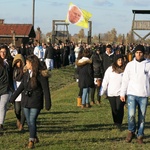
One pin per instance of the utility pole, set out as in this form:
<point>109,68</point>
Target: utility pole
<point>99,37</point>
<point>13,36</point>
<point>33,12</point>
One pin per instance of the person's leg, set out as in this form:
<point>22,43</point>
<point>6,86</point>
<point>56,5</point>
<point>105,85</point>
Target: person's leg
<point>17,106</point>
<point>87,98</point>
<point>51,62</point>
<point>70,58</point>
<point>132,103</point>
<point>92,91</point>
<point>98,96</point>
<point>27,115</point>
<point>22,119</point>
<point>47,63</point>
<point>80,92</point>
<point>84,96</point>
<point>112,101</point>
<point>79,98</point>
<point>31,116</point>
<point>3,108</point>
<point>142,106</point>
<point>120,110</point>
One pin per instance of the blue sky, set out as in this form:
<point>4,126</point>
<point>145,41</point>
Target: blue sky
<point>106,14</point>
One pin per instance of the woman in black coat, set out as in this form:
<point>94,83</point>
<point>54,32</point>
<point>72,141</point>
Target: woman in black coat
<point>33,86</point>
<point>86,79</point>
<point>98,75</point>
<point>6,82</point>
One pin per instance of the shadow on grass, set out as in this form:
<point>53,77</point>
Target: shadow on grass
<point>55,127</point>
<point>64,112</point>
<point>89,140</point>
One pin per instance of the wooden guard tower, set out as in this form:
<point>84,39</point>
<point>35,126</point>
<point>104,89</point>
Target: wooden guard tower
<point>56,33</point>
<point>140,24</point>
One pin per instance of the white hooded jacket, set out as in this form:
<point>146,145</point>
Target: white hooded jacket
<point>111,83</point>
<point>136,79</point>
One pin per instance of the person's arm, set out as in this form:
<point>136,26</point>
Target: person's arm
<point>124,85</point>
<point>46,51</point>
<point>105,81</point>
<point>122,98</point>
<point>16,93</point>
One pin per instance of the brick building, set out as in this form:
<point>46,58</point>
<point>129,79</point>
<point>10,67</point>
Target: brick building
<point>16,33</point>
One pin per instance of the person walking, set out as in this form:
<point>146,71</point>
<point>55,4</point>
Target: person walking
<point>108,57</point>
<point>49,57</point>
<point>33,86</point>
<point>112,84</point>
<point>13,51</point>
<point>3,93</point>
<point>79,98</point>
<point>6,82</point>
<point>86,79</point>
<point>18,66</point>
<point>98,75</point>
<point>135,84</point>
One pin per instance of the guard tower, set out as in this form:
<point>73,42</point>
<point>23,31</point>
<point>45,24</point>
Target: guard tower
<point>57,33</point>
<point>140,24</point>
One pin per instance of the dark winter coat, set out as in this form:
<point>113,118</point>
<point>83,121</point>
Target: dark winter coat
<point>4,81</point>
<point>18,72</point>
<point>34,99</point>
<point>65,56</point>
<point>8,73</point>
<point>107,60</point>
<point>85,72</point>
<point>22,51</point>
<point>97,65</point>
<point>49,53</point>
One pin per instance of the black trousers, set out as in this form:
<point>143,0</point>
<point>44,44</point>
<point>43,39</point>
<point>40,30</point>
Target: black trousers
<point>80,92</point>
<point>117,108</point>
<point>19,112</point>
<point>94,90</point>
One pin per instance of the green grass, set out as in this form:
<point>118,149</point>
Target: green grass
<point>68,127</point>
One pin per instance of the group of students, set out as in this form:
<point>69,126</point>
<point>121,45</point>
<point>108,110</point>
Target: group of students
<point>122,82</point>
<point>24,83</point>
<point>107,73</point>
<point>91,66</point>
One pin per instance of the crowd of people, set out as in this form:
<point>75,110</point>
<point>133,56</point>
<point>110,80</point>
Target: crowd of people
<point>24,82</point>
<point>120,73</point>
<point>120,79</point>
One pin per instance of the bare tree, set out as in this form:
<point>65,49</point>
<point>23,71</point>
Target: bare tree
<point>81,34</point>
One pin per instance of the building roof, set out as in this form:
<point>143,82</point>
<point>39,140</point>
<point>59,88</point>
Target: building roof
<point>141,11</point>
<point>20,30</point>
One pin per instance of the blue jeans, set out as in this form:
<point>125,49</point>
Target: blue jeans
<point>85,96</point>
<point>49,63</point>
<point>31,115</point>
<point>141,102</point>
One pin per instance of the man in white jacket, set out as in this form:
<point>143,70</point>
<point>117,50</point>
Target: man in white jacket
<point>135,85</point>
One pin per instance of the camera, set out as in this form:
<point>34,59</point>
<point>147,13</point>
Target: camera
<point>28,93</point>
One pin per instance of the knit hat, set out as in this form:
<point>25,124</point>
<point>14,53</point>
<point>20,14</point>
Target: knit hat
<point>118,57</point>
<point>140,48</point>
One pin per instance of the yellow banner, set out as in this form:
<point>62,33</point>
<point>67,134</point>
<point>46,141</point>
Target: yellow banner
<point>78,16</point>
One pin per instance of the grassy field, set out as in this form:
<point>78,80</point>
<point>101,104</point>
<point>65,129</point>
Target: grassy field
<point>68,127</point>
